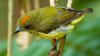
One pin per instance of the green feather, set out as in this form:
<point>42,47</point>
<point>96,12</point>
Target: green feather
<point>52,19</point>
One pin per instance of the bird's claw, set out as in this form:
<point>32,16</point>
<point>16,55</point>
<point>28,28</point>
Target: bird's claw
<point>53,52</point>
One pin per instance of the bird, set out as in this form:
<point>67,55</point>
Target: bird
<point>51,22</point>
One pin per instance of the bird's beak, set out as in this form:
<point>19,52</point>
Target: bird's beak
<point>18,29</point>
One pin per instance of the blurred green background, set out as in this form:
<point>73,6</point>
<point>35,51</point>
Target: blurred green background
<point>83,41</point>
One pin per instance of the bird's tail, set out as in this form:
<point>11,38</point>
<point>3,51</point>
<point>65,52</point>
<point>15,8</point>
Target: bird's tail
<point>88,10</point>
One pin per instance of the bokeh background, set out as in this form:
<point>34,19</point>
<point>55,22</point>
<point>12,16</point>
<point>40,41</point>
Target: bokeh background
<point>83,41</point>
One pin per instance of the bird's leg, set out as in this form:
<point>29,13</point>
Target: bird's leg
<point>61,45</point>
<point>54,51</point>
<point>54,42</point>
<point>54,45</point>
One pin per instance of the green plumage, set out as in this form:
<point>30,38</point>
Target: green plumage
<point>48,18</point>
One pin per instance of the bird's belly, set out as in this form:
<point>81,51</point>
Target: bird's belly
<point>63,29</point>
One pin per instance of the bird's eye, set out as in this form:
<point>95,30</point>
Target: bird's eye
<point>27,26</point>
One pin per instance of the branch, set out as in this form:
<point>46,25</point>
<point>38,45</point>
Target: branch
<point>36,4</point>
<point>10,11</point>
<point>28,6</point>
<point>69,3</point>
<point>52,3</point>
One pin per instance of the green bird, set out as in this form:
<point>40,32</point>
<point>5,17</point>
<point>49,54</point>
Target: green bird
<point>51,22</point>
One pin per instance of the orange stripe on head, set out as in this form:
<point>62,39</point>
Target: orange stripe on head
<point>24,19</point>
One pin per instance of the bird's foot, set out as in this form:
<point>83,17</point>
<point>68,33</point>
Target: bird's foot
<point>53,53</point>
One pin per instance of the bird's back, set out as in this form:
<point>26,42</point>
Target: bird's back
<point>50,18</point>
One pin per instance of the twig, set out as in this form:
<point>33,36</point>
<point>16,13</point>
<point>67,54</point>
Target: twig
<point>28,7</point>
<point>36,4</point>
<point>25,7</point>
<point>69,3</point>
<point>10,11</point>
<point>52,3</point>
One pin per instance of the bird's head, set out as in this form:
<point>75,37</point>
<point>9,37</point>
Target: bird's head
<point>23,24</point>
